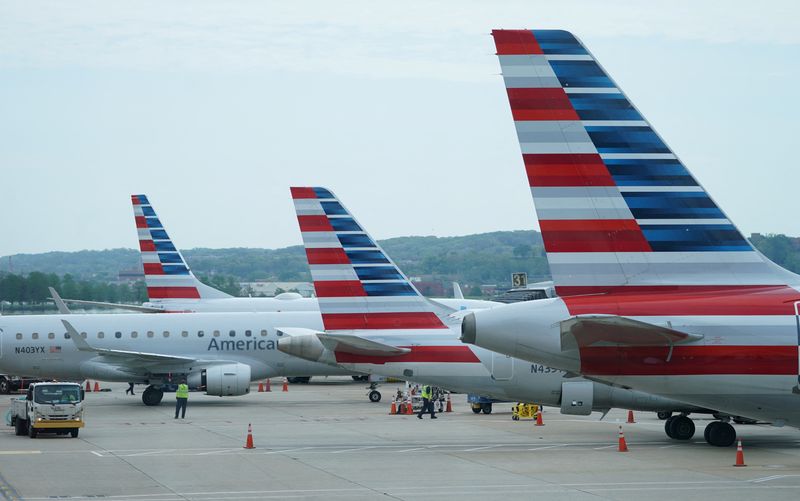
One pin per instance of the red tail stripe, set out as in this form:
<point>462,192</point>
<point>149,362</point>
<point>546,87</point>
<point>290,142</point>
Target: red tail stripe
<point>540,104</point>
<point>314,223</point>
<point>135,200</point>
<point>173,293</point>
<point>689,360</point>
<point>333,255</point>
<point>339,288</point>
<point>302,193</point>
<point>435,354</point>
<point>141,222</point>
<point>601,235</point>
<point>581,225</point>
<point>683,300</point>
<point>509,42</point>
<point>567,170</point>
<point>153,269</point>
<point>399,320</point>
<point>147,246</point>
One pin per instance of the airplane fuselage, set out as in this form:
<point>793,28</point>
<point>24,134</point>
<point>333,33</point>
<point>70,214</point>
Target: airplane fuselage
<point>746,362</point>
<point>38,345</point>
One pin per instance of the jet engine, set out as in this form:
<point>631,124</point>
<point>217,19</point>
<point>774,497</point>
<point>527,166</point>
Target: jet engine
<point>577,397</point>
<point>227,380</point>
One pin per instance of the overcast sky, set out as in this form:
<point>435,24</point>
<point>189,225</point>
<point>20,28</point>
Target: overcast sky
<point>214,108</point>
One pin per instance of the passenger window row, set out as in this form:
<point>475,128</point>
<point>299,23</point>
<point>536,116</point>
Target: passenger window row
<point>150,334</point>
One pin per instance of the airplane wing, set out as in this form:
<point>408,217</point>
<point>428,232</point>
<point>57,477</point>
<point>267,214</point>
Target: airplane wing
<point>100,304</point>
<point>128,358</point>
<point>356,345</point>
<point>589,330</point>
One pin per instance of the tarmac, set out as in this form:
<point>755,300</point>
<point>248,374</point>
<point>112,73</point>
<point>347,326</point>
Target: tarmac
<point>325,440</point>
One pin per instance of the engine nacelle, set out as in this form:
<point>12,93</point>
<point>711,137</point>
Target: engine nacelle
<point>577,398</point>
<point>228,380</point>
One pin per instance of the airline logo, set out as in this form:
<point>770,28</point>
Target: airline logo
<point>166,274</point>
<point>357,285</point>
<point>617,209</point>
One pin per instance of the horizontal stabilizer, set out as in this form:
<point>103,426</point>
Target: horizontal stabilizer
<point>355,345</point>
<point>592,330</point>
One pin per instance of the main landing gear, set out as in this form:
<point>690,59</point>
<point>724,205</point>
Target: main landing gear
<point>152,395</point>
<point>717,433</point>
<point>373,394</point>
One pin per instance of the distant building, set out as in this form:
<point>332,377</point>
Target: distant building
<point>270,289</point>
<point>430,288</point>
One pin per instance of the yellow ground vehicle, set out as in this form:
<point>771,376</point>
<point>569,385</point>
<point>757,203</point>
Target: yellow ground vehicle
<point>48,408</point>
<point>524,411</point>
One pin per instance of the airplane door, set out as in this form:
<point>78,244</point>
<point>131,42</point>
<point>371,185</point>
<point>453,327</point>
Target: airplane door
<point>502,367</point>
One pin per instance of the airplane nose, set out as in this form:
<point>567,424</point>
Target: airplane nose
<point>468,331</point>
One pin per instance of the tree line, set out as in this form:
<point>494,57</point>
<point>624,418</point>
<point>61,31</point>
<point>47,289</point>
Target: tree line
<point>33,289</point>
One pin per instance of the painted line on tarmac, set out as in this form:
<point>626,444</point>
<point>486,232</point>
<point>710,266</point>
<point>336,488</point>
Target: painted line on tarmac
<point>14,453</point>
<point>604,447</point>
<point>356,449</point>
<point>548,447</point>
<point>482,448</point>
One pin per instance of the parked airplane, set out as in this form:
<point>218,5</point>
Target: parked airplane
<point>218,352</point>
<point>173,287</point>
<point>376,322</point>
<point>659,291</point>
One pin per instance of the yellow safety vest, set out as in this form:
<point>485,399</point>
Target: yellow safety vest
<point>426,392</point>
<point>182,392</point>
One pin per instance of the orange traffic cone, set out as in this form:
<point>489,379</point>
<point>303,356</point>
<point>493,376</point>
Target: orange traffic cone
<point>539,421</point>
<point>739,455</point>
<point>449,407</point>
<point>268,386</point>
<point>96,386</point>
<point>249,443</point>
<point>630,417</point>
<point>623,446</point>
<point>88,386</point>
<point>261,387</point>
<point>409,406</point>
<point>393,410</point>
<point>285,384</point>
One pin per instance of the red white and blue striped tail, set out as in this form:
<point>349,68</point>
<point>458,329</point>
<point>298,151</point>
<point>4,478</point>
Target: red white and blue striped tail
<point>616,207</point>
<point>357,284</point>
<point>165,271</point>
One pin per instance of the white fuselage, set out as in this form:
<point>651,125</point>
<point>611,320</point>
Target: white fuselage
<point>203,336</point>
<point>277,304</point>
<point>438,358</point>
<point>744,365</point>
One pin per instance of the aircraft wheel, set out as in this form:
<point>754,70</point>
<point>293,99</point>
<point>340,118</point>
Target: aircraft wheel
<point>374,396</point>
<point>664,415</point>
<point>486,408</point>
<point>681,428</point>
<point>668,426</point>
<point>476,409</point>
<point>5,386</point>
<point>152,396</point>
<point>720,434</point>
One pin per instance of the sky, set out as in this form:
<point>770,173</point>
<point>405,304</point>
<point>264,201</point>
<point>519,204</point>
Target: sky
<point>213,109</point>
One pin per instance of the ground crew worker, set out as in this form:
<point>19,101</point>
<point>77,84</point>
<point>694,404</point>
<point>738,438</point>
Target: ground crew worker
<point>181,397</point>
<point>427,402</point>
<point>130,389</point>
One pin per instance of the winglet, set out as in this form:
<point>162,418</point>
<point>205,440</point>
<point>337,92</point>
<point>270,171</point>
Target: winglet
<point>76,337</point>
<point>457,291</point>
<point>62,308</point>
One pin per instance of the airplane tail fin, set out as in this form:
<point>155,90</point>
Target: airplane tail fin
<point>357,284</point>
<point>616,207</point>
<point>166,273</point>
